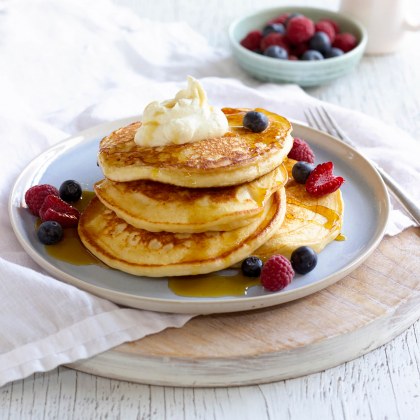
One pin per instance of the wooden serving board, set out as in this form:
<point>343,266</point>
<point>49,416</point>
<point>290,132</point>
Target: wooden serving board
<point>369,307</point>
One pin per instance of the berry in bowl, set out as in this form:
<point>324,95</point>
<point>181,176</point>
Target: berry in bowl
<point>302,45</point>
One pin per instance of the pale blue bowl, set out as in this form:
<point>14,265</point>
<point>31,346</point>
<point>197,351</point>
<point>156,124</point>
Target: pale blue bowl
<point>303,73</point>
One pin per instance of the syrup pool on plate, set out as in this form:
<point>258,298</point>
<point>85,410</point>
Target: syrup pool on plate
<point>71,250</point>
<point>213,285</point>
<point>234,283</point>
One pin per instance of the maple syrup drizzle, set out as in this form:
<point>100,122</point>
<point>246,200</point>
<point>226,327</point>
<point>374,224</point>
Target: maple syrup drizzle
<point>212,285</point>
<point>70,249</point>
<point>330,215</point>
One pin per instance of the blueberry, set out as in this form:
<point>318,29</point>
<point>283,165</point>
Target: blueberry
<point>301,170</point>
<point>251,266</point>
<point>334,52</point>
<point>255,121</point>
<point>311,55</point>
<point>320,42</point>
<point>49,233</point>
<point>276,52</point>
<point>274,27</point>
<point>70,191</point>
<point>303,259</point>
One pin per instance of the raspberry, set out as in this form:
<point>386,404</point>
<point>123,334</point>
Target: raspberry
<point>327,28</point>
<point>35,196</point>
<point>252,40</point>
<point>345,41</point>
<point>276,273</point>
<point>280,19</point>
<point>299,49</point>
<point>301,151</point>
<point>300,29</point>
<point>57,210</point>
<point>321,181</point>
<point>274,38</point>
<point>333,23</point>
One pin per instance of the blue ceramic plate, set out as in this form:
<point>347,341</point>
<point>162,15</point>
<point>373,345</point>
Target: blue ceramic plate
<point>366,214</point>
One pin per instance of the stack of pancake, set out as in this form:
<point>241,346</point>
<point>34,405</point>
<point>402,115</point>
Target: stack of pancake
<point>199,207</point>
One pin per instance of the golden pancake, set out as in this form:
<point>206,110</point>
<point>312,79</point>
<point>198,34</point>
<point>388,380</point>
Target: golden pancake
<point>238,156</point>
<point>162,207</point>
<point>158,254</point>
<point>310,221</point>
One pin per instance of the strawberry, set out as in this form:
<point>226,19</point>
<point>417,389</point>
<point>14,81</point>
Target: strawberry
<point>301,151</point>
<point>276,273</point>
<point>57,210</point>
<point>321,180</point>
<point>59,205</point>
<point>64,219</point>
<point>35,196</point>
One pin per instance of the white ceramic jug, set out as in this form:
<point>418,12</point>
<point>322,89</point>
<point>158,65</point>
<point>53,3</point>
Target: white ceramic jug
<point>385,20</point>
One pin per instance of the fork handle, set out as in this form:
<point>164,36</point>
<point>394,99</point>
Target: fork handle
<point>407,202</point>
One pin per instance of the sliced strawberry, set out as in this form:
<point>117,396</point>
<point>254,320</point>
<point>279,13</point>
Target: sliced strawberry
<point>321,181</point>
<point>59,205</point>
<point>65,219</point>
<point>57,210</point>
<point>35,196</point>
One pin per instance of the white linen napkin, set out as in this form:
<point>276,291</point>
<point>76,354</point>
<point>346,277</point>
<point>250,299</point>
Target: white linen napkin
<point>69,65</point>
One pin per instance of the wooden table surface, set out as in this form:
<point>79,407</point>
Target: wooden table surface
<point>383,384</point>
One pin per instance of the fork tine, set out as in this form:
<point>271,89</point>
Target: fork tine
<point>333,123</point>
<point>322,116</point>
<point>323,121</point>
<point>310,118</point>
<point>335,126</point>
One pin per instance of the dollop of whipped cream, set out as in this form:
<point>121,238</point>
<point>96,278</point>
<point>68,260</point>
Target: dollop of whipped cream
<point>185,119</point>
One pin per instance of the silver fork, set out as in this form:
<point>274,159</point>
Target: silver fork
<point>319,118</point>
